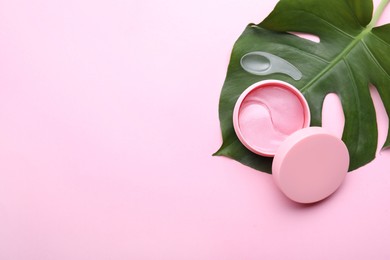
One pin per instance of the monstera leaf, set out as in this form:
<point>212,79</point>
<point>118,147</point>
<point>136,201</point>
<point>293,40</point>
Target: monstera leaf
<point>351,54</point>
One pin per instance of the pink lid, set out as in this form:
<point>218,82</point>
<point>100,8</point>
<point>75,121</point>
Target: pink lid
<point>268,112</point>
<point>310,165</point>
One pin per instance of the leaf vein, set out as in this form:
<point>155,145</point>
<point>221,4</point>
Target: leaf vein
<point>295,48</point>
<point>308,54</point>
<point>380,39</point>
<point>328,23</point>
<point>375,60</point>
<point>350,75</point>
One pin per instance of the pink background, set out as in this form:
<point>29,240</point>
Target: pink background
<point>108,119</point>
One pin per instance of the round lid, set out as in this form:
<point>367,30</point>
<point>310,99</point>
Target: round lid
<point>310,165</point>
<point>268,112</point>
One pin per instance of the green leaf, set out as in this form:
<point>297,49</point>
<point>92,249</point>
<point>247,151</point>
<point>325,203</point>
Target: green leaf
<point>351,55</point>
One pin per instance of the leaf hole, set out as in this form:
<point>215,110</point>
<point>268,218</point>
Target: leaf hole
<point>381,118</point>
<point>333,115</point>
<point>307,36</point>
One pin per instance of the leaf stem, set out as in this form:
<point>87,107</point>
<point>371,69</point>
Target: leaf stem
<point>378,12</point>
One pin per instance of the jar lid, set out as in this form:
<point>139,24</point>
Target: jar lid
<point>310,165</point>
